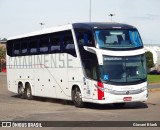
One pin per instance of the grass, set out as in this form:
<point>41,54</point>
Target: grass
<point>153,78</point>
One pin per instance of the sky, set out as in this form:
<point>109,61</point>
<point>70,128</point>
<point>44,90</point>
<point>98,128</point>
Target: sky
<point>23,16</point>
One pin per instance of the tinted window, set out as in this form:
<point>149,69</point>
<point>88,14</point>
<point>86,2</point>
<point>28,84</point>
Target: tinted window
<point>55,41</point>
<point>24,47</point>
<point>123,69</point>
<point>118,39</point>
<point>44,45</point>
<point>33,46</point>
<point>89,60</point>
<point>90,66</point>
<point>84,37</point>
<point>9,47</point>
<point>16,48</point>
<point>69,46</point>
<point>62,42</point>
<point>58,42</point>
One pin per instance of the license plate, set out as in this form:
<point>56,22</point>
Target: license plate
<point>127,99</point>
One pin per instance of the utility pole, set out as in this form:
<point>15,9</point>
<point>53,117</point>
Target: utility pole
<point>90,10</point>
<point>42,25</point>
<point>111,15</point>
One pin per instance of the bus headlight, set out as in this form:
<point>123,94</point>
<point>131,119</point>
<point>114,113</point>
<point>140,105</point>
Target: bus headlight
<point>144,88</point>
<point>108,90</point>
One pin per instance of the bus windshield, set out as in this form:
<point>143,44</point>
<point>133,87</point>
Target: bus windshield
<point>123,69</point>
<point>118,39</point>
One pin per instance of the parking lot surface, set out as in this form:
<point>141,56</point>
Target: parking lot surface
<point>13,108</point>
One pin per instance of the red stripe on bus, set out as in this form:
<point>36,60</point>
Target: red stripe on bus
<point>100,93</point>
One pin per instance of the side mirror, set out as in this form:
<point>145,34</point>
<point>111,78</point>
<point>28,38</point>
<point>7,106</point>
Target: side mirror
<point>96,51</point>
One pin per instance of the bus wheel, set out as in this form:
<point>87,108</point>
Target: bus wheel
<point>29,92</point>
<point>119,105</point>
<point>21,92</point>
<point>77,98</point>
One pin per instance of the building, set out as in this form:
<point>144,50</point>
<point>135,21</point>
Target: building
<point>3,43</point>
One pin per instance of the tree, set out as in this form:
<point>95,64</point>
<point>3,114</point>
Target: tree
<point>4,39</point>
<point>149,58</point>
<point>2,57</point>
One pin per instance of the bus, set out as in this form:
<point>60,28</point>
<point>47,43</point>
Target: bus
<point>102,63</point>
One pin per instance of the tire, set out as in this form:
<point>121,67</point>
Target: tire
<point>29,92</point>
<point>77,98</point>
<point>119,105</point>
<point>21,91</point>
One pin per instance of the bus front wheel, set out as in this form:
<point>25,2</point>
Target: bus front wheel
<point>77,98</point>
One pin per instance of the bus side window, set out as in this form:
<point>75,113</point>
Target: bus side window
<point>89,60</point>
<point>10,48</point>
<point>85,38</point>
<point>33,45</point>
<point>24,47</point>
<point>44,45</point>
<point>69,46</point>
<point>16,48</point>
<point>54,43</point>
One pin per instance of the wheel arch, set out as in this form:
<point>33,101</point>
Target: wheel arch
<point>74,86</point>
<point>31,85</point>
<point>20,84</point>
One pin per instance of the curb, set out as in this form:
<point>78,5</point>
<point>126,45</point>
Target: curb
<point>153,83</point>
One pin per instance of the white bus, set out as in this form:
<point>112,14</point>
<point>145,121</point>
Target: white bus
<point>84,62</point>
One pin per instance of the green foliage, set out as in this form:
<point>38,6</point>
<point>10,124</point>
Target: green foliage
<point>153,78</point>
<point>2,57</point>
<point>149,58</point>
<point>2,53</point>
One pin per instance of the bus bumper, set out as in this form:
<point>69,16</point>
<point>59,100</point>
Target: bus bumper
<point>110,98</point>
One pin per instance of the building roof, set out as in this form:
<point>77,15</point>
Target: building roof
<point>3,41</point>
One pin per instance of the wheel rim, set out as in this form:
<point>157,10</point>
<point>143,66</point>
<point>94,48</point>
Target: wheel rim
<point>28,92</point>
<point>77,97</point>
<point>20,90</point>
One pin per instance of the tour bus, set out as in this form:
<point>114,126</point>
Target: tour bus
<point>99,63</point>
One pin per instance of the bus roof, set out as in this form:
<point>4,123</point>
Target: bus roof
<point>103,25</point>
<point>43,31</point>
<point>93,25</point>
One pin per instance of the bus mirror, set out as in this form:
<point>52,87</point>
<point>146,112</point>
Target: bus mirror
<point>95,51</point>
<point>90,49</point>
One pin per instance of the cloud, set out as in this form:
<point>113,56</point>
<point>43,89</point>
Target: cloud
<point>153,15</point>
<point>147,17</point>
<point>143,18</point>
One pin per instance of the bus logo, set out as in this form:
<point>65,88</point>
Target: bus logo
<point>127,92</point>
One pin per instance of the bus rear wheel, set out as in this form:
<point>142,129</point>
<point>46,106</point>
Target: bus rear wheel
<point>21,91</point>
<point>29,92</point>
<point>77,98</point>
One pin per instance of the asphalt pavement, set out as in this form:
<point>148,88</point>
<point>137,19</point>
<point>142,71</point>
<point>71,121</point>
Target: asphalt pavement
<point>13,108</point>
